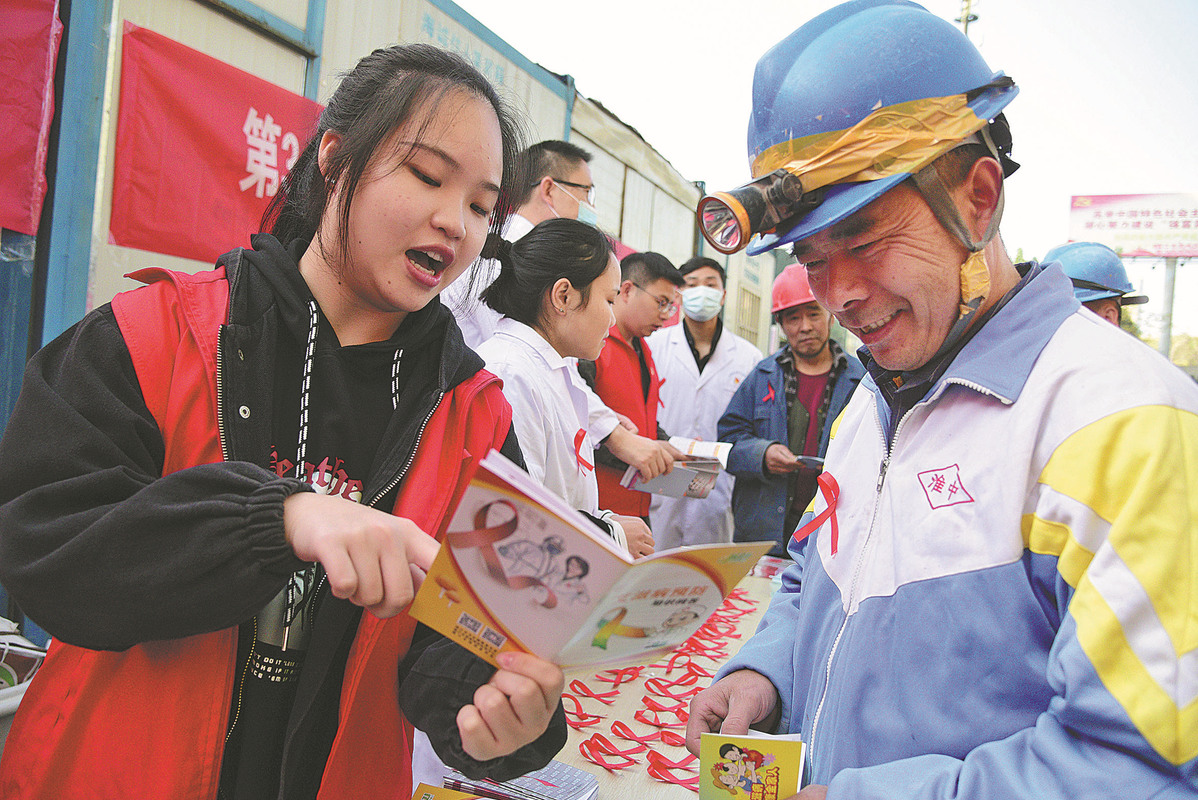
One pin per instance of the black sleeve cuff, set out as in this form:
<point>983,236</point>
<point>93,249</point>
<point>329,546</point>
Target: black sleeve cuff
<point>264,525</point>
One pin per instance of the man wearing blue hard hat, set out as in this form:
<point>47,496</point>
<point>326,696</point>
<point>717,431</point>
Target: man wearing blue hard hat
<point>994,592</point>
<point>1100,282</point>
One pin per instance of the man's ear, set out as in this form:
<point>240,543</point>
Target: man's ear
<point>626,288</point>
<point>981,191</point>
<point>543,188</point>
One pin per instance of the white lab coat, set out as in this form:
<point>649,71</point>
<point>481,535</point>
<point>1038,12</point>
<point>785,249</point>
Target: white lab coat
<point>478,322</point>
<point>692,404</point>
<point>549,409</point>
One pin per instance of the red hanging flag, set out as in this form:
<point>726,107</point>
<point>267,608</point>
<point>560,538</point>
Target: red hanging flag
<point>201,148</point>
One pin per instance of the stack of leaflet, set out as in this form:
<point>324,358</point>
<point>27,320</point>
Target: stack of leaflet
<point>557,781</point>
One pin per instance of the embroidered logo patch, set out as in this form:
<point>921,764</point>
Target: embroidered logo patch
<point>943,487</point>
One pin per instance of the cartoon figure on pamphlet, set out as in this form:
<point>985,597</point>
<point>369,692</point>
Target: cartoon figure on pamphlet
<point>570,584</point>
<point>756,767</point>
<point>520,564</point>
<point>612,624</point>
<point>746,770</point>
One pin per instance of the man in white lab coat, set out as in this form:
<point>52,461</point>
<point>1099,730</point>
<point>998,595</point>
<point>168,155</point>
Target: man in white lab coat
<point>700,365</point>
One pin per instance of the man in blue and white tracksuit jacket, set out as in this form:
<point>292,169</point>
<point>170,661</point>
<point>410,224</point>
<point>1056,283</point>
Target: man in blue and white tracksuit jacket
<point>995,590</point>
<point>1005,610</point>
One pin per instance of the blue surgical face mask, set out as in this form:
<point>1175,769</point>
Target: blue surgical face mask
<point>587,215</point>
<point>701,303</point>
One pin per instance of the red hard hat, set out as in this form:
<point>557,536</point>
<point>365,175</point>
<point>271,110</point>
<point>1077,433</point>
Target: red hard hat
<point>790,289</point>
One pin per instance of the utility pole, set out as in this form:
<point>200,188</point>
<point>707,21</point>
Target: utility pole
<point>967,16</point>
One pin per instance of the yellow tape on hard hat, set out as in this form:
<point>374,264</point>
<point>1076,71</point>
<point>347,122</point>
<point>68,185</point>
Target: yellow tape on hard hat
<point>890,141</point>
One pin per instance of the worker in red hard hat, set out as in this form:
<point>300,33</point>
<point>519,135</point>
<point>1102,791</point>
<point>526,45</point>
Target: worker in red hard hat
<point>780,418</point>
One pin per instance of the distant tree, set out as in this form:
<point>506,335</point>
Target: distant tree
<point>1184,349</point>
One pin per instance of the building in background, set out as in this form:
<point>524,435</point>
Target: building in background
<point>174,121</point>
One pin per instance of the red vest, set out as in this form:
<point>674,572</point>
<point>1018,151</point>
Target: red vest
<point>618,384</point>
<point>150,722</point>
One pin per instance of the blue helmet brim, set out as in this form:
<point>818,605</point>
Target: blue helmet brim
<point>844,200</point>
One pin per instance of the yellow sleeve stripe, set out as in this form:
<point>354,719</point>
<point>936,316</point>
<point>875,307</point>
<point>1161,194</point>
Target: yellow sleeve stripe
<point>1117,504</point>
<point>1171,729</point>
<point>1138,471</point>
<point>1064,528</point>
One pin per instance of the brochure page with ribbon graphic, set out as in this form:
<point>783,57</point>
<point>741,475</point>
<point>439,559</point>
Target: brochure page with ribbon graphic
<point>520,570</point>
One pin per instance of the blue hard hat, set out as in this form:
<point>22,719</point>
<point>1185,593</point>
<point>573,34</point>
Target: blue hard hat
<point>1096,271</point>
<point>848,62</point>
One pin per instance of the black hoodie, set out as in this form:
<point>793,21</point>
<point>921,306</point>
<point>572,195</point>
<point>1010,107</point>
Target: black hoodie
<point>105,552</point>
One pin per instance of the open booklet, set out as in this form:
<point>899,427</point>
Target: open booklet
<point>692,476</point>
<point>521,570</point>
<point>756,766</point>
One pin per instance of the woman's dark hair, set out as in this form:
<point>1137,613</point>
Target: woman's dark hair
<point>554,249</point>
<point>373,100</point>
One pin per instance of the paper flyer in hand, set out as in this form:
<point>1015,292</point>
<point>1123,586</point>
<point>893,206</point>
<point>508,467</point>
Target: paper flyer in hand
<point>521,570</point>
<point>752,767</point>
<point>692,476</point>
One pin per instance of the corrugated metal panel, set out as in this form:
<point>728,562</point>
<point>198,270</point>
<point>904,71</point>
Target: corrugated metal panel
<point>354,28</point>
<point>673,228</point>
<point>608,174</point>
<point>540,96</point>
<point>636,223</point>
<point>294,11</point>
<point>210,32</point>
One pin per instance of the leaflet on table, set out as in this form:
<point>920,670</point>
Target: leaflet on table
<point>556,781</point>
<point>752,767</point>
<point>692,476</point>
<point>521,570</point>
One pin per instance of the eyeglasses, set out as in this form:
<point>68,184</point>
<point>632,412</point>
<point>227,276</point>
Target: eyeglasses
<point>590,189</point>
<point>665,306</point>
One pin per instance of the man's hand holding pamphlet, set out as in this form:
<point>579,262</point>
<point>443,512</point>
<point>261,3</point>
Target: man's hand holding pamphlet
<point>692,476</point>
<point>521,570</point>
<point>751,767</point>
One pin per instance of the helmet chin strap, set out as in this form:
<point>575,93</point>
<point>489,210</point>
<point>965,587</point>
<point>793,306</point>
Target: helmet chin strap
<point>975,273</point>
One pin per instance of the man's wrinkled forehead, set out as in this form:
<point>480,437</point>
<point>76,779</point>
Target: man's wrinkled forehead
<point>856,225</point>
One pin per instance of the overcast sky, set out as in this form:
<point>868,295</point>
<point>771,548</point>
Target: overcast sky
<point>1108,99</point>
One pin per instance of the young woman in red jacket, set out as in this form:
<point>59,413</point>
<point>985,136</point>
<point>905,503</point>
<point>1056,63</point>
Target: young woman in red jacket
<point>219,491</point>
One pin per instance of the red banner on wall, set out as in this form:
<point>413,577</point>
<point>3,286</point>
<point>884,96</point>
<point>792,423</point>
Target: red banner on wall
<point>201,148</point>
<point>29,51</point>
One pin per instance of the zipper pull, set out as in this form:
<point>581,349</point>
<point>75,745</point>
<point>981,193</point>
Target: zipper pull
<point>882,473</point>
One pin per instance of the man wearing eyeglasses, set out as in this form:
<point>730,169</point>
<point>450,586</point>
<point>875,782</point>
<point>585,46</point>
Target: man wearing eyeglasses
<point>624,376</point>
<point>559,185</point>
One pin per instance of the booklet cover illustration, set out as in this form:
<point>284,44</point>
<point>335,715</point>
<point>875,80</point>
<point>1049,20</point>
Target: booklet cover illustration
<point>521,570</point>
<point>753,767</point>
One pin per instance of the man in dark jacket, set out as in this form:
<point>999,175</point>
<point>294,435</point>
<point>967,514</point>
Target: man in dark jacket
<point>780,418</point>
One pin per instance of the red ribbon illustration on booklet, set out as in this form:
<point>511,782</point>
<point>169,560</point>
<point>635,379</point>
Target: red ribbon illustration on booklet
<point>484,538</point>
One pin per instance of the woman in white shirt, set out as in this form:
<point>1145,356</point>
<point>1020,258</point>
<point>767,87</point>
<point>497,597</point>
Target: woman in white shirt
<point>555,290</point>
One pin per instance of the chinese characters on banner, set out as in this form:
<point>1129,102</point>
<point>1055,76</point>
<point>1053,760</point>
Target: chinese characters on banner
<point>201,148</point>
<point>29,50</point>
<point>1160,225</point>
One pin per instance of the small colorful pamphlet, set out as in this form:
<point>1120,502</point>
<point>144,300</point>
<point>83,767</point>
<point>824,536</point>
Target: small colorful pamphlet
<point>692,476</point>
<point>521,570</point>
<point>753,767</point>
